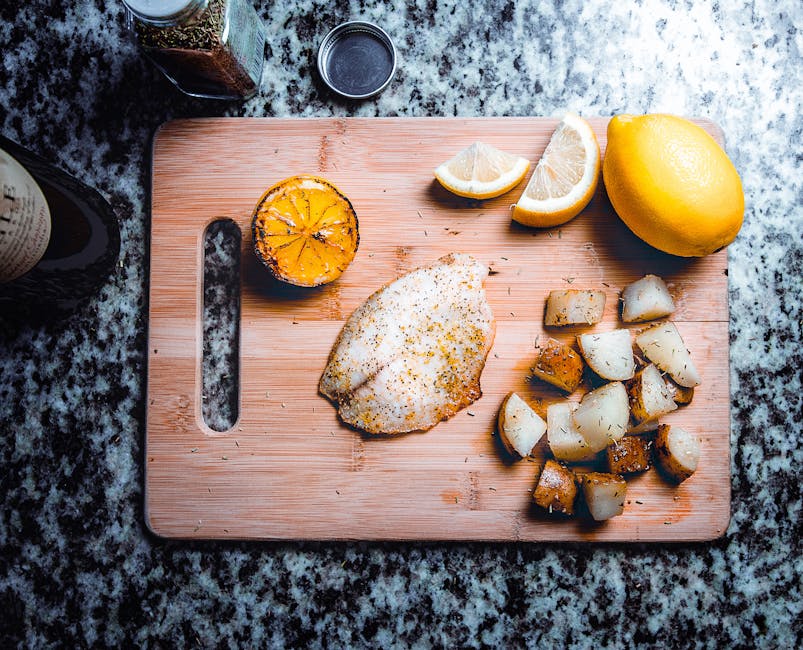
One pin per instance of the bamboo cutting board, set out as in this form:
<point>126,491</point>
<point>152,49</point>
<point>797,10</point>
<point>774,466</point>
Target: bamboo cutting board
<point>288,469</point>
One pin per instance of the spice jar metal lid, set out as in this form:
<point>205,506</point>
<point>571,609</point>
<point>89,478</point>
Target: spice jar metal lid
<point>164,12</point>
<point>357,59</point>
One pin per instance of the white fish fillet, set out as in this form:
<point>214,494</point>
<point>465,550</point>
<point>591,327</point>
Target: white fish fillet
<point>412,354</point>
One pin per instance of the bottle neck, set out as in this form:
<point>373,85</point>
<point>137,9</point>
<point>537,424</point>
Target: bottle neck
<point>166,13</point>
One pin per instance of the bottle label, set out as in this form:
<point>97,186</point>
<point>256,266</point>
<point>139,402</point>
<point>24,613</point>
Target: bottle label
<point>24,220</point>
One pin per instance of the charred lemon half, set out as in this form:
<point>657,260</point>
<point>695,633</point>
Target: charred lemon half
<point>305,231</point>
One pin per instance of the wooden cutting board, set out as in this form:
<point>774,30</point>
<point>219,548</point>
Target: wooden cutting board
<point>288,469</point>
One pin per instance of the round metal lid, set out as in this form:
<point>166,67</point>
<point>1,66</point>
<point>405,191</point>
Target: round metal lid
<point>357,59</point>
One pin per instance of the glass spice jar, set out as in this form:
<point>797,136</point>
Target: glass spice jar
<point>207,48</point>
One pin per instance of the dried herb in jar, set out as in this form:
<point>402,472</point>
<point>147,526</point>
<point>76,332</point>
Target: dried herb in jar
<point>202,34</point>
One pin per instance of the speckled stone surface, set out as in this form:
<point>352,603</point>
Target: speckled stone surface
<point>77,566</point>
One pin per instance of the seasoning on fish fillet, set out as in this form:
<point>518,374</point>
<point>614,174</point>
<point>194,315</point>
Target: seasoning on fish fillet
<point>412,354</point>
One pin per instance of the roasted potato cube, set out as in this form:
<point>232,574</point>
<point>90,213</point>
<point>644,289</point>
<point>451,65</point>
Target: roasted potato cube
<point>564,440</point>
<point>609,354</point>
<point>559,365</point>
<point>643,427</point>
<point>646,299</point>
<point>556,490</point>
<point>629,455</point>
<point>604,495</point>
<point>663,345</point>
<point>603,415</point>
<point>681,395</point>
<point>520,428</point>
<point>574,307</point>
<point>649,395</point>
<point>677,452</point>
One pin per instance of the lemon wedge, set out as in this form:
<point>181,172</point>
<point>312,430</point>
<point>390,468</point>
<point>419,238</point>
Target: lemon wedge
<point>565,178</point>
<point>481,171</point>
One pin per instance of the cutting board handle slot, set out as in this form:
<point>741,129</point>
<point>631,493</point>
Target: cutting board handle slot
<point>220,365</point>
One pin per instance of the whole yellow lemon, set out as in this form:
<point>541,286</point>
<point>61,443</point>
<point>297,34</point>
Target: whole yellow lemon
<point>672,184</point>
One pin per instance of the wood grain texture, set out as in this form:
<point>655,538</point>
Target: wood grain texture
<point>289,469</point>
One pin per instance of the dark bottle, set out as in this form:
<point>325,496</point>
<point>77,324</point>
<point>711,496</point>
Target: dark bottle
<point>59,238</point>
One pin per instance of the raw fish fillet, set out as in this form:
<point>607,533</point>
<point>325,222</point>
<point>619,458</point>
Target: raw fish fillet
<point>412,354</point>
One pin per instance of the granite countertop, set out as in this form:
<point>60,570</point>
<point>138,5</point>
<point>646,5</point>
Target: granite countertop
<point>78,567</point>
